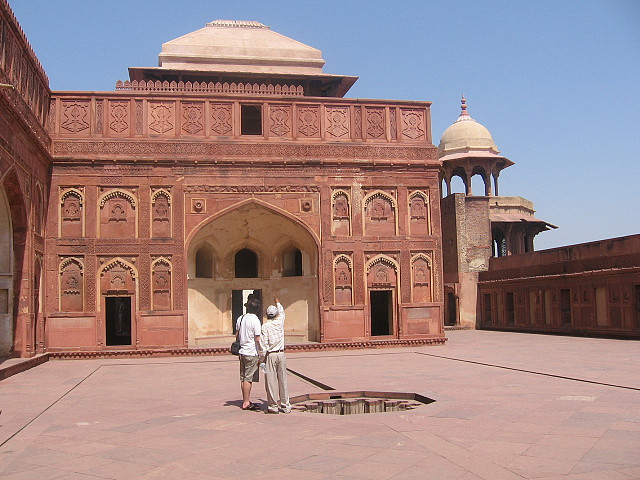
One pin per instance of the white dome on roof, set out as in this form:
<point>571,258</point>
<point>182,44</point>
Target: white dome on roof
<point>467,136</point>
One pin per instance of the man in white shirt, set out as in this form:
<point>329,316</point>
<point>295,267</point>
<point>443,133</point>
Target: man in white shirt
<point>272,346</point>
<point>248,328</point>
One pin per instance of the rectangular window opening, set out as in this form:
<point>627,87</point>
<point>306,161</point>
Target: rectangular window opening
<point>250,119</point>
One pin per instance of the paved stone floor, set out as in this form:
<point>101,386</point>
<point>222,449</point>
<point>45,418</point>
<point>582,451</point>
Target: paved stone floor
<point>507,406</point>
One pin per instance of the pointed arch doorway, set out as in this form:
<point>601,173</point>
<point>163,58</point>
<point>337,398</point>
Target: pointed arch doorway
<point>251,249</point>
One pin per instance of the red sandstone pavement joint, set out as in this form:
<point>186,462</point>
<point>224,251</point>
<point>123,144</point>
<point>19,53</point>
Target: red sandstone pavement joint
<point>52,404</point>
<point>310,380</point>
<point>530,371</point>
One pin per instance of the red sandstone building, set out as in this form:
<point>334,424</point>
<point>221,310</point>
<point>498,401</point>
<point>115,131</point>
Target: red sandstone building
<point>141,219</point>
<point>216,175</point>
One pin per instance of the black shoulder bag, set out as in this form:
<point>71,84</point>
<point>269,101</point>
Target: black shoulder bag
<point>235,346</point>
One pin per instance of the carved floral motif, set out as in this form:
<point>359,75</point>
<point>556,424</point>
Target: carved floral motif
<point>221,123</point>
<point>309,121</point>
<point>192,117</point>
<point>280,120</point>
<point>413,124</point>
<point>161,116</point>
<point>337,121</point>
<point>119,116</point>
<point>75,116</point>
<point>375,122</point>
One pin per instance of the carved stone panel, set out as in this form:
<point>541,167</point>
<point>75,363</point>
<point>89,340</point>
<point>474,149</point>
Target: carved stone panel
<point>379,215</point>
<point>418,214</point>
<point>117,211</point>
<point>119,118</point>
<point>192,117</point>
<point>74,117</point>
<point>382,274</point>
<point>71,214</point>
<point>393,123</point>
<point>375,123</point>
<point>161,214</point>
<point>161,285</point>
<point>309,121</point>
<point>421,278</point>
<point>280,120</point>
<point>162,118</point>
<point>413,124</point>
<point>341,213</point>
<point>221,119</point>
<point>117,277</point>
<point>71,287</point>
<point>337,122</point>
<point>343,280</point>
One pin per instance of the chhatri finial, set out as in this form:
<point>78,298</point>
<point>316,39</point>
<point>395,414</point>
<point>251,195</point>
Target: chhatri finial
<point>464,115</point>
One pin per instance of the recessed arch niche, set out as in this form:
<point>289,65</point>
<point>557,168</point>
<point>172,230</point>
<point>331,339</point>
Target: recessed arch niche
<point>269,234</point>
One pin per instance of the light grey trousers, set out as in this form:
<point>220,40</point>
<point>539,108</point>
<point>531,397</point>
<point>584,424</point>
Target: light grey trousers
<point>276,381</point>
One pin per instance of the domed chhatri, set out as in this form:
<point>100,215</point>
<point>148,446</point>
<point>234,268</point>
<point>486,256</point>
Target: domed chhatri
<point>467,149</point>
<point>466,135</point>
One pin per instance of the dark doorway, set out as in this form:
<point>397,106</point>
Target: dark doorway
<point>238,299</point>
<point>118,320</point>
<point>452,313</point>
<point>381,312</point>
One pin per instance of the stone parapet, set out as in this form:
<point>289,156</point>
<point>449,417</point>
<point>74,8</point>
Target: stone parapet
<point>195,117</point>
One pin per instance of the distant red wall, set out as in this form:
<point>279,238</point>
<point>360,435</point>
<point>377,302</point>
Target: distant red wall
<point>590,288</point>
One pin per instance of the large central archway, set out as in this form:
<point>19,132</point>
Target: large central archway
<point>251,248</point>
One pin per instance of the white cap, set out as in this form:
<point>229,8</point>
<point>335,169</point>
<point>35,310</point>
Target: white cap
<point>272,311</point>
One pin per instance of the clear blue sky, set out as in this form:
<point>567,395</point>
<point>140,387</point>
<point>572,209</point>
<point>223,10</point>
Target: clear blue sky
<point>556,82</point>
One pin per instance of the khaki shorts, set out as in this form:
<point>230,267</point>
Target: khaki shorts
<point>249,368</point>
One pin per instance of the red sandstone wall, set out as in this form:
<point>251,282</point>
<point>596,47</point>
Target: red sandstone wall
<point>24,180</point>
<point>121,149</point>
<point>591,288</point>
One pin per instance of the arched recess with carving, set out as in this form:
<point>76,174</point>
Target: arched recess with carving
<point>421,278</point>
<point>120,277</point>
<point>118,214</point>
<point>71,285</point>
<point>162,285</point>
<point>118,298</point>
<point>71,213</point>
<point>419,213</point>
<point>343,280</point>
<point>269,232</point>
<point>380,217</point>
<point>161,224</point>
<point>383,273</point>
<point>341,212</point>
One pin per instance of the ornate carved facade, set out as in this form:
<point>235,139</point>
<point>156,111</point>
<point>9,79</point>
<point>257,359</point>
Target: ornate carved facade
<point>170,200</point>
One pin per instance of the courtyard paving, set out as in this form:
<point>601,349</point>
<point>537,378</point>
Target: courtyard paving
<point>507,406</point>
